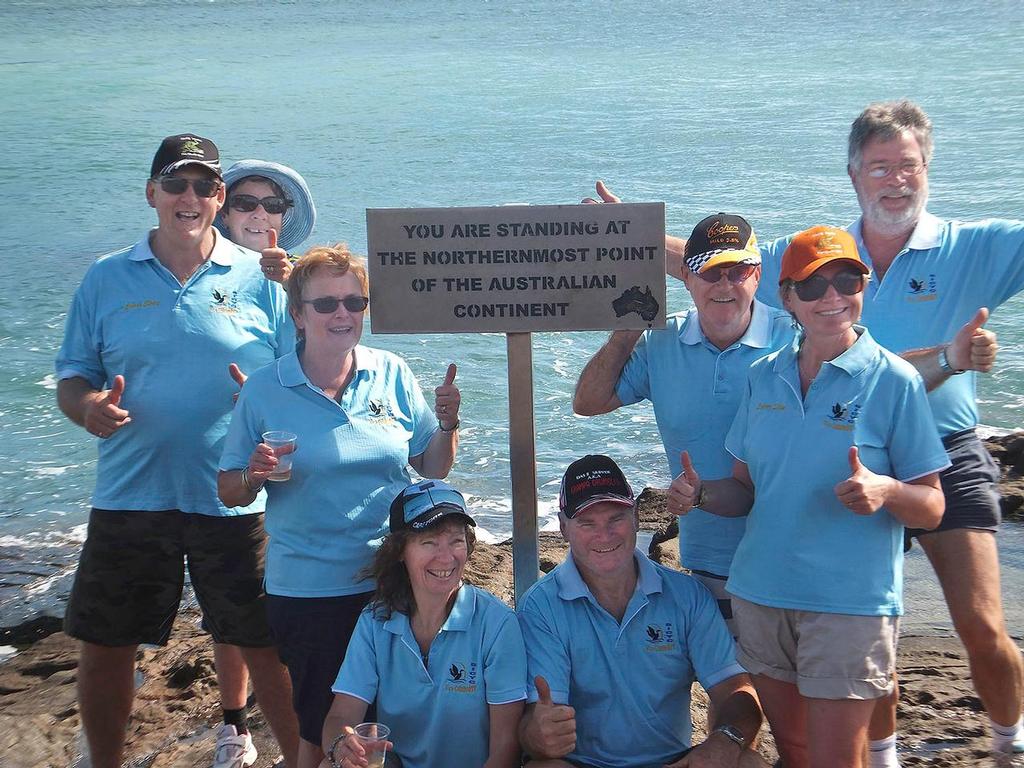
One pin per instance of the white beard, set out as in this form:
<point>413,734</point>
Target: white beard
<point>893,223</point>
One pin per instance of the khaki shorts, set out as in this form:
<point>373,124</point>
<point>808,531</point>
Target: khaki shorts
<point>132,571</point>
<point>826,655</point>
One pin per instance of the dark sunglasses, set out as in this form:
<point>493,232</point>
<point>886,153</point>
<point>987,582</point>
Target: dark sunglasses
<point>815,286</point>
<point>247,203</point>
<point>736,274</point>
<point>325,305</point>
<point>176,185</point>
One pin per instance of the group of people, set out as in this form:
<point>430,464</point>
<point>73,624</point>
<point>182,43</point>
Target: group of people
<point>803,446</point>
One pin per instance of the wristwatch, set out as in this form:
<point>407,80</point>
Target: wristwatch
<point>948,369</point>
<point>732,734</point>
<point>702,497</point>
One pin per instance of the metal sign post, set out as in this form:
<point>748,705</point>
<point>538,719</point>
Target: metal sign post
<point>522,452</point>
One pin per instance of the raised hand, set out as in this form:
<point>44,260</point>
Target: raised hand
<point>604,193</point>
<point>273,260</point>
<point>685,488</point>
<point>863,492</point>
<point>104,414</point>
<point>974,347</point>
<point>447,400</point>
<point>554,725</point>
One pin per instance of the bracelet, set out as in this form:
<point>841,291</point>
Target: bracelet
<point>330,753</point>
<point>248,483</point>
<point>944,364</point>
<point>450,429</point>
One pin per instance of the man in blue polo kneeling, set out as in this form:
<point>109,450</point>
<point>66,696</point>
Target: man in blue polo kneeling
<point>614,641</point>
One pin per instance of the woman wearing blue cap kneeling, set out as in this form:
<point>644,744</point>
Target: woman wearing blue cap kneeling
<point>443,660</point>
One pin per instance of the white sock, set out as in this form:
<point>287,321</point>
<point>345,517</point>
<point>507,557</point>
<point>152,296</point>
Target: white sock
<point>1007,738</point>
<point>882,753</point>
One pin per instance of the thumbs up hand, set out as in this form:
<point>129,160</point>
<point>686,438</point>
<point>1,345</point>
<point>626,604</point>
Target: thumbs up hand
<point>553,725</point>
<point>104,414</point>
<point>447,400</point>
<point>863,492</point>
<point>685,488</point>
<point>974,347</point>
<point>606,195</point>
<point>274,261</point>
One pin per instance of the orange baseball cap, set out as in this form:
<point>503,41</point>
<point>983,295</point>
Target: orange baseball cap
<point>813,248</point>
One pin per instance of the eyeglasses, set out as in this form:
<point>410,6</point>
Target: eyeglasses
<point>247,203</point>
<point>905,169</point>
<point>847,283</point>
<point>736,274</point>
<point>325,305</point>
<point>176,185</point>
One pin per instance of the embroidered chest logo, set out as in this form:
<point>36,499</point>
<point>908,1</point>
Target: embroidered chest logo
<point>461,677</point>
<point>842,417</point>
<point>224,302</point>
<point>380,412</point>
<point>660,638</point>
<point>922,288</point>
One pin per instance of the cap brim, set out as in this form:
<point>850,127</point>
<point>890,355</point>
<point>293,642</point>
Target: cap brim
<point>809,269</point>
<point>431,516</point>
<point>732,257</point>
<point>614,498</point>
<point>299,219</point>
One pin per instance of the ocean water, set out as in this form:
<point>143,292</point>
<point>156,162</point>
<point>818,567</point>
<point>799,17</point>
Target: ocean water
<point>703,105</point>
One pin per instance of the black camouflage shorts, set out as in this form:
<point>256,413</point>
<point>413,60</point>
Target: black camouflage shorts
<point>132,571</point>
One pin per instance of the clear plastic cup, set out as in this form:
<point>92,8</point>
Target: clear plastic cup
<point>277,440</point>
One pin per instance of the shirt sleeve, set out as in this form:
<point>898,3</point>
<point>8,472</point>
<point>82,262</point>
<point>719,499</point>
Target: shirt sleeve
<point>771,267</point>
<point>1004,273</point>
<point>358,675</point>
<point>634,382</point>
<point>915,449</point>
<point>244,432</point>
<point>712,651</point>
<point>79,354</point>
<point>424,422</point>
<point>546,654</point>
<point>505,663</point>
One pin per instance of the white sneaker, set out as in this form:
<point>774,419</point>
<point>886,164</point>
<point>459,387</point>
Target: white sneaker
<point>233,750</point>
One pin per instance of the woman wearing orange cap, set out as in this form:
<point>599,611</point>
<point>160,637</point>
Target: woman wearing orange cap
<point>836,451</point>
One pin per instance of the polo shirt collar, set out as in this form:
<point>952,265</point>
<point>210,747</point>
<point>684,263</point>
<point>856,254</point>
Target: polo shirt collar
<point>459,619</point>
<point>223,249</point>
<point>927,233</point>
<point>758,334</point>
<point>862,355</point>
<point>290,373</point>
<point>571,585</point>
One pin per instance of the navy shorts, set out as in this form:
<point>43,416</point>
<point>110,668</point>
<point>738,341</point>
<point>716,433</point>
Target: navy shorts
<point>970,485</point>
<point>312,635</point>
<point>132,571</point>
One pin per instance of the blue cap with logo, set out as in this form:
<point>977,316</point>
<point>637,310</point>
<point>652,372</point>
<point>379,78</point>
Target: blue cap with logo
<point>421,505</point>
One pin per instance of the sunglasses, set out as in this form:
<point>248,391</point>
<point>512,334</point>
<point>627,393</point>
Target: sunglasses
<point>247,203</point>
<point>325,305</point>
<point>815,286</point>
<point>176,185</point>
<point>736,274</point>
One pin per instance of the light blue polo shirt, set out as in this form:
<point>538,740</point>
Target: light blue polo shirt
<point>803,549</point>
<point>629,683</point>
<point>439,713</point>
<point>173,344</point>
<point>695,389</point>
<point>945,272</point>
<point>351,459</point>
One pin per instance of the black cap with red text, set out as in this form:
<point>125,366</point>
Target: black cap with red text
<point>590,480</point>
<point>184,149</point>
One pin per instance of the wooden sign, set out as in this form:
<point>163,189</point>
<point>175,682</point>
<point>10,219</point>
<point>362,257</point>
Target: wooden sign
<point>517,268</point>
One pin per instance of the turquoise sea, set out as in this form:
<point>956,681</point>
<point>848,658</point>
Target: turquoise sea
<point>703,105</point>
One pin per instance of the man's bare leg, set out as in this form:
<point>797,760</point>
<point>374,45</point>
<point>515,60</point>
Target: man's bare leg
<point>106,687</point>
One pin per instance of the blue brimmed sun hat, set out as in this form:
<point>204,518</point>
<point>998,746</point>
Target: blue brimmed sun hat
<point>300,217</point>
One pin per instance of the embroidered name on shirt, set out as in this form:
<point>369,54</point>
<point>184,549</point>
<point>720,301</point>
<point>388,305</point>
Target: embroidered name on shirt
<point>660,638</point>
<point>460,678</point>
<point>771,406</point>
<point>140,304</point>
<point>922,289</point>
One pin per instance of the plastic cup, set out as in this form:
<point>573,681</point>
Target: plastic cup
<point>373,737</point>
<point>277,440</point>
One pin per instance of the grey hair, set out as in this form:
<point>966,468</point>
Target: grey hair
<point>887,120</point>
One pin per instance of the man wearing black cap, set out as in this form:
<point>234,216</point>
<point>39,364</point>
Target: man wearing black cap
<point>693,372</point>
<point>144,367</point>
<point>614,641</point>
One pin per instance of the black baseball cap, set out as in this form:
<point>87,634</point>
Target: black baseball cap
<point>590,480</point>
<point>184,149</point>
<point>421,505</point>
<point>724,238</point>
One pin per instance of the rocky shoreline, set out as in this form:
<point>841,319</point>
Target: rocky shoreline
<point>941,721</point>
